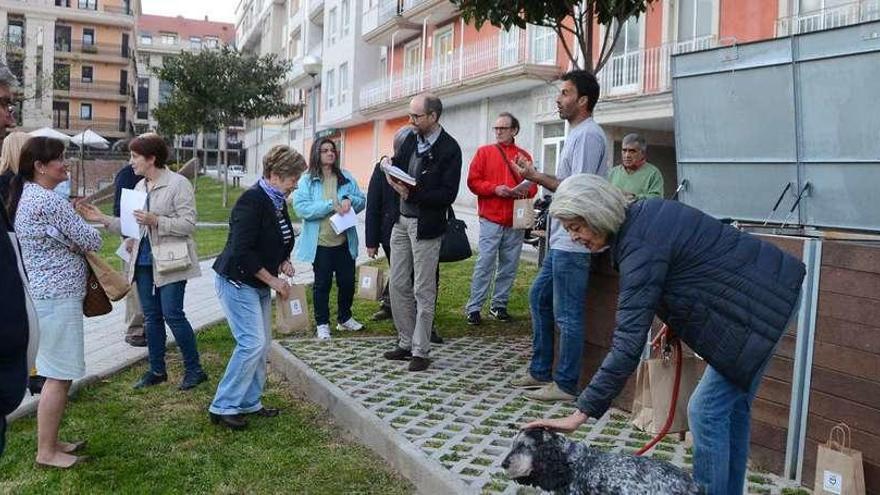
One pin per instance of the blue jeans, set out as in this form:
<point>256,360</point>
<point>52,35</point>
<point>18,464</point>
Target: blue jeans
<point>163,305</point>
<point>328,261</point>
<point>559,290</point>
<point>503,244</point>
<point>719,416</point>
<point>249,313</point>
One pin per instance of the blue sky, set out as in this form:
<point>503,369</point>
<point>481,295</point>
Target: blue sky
<point>216,10</point>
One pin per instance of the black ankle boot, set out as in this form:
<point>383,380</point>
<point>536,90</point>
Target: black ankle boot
<point>231,421</point>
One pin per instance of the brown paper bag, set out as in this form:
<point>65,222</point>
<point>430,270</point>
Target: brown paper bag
<point>115,285</point>
<point>523,213</point>
<point>371,282</point>
<point>292,314</point>
<point>655,379</point>
<point>839,467</point>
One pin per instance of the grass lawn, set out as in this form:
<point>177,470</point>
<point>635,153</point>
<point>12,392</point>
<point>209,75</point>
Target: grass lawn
<point>455,284</point>
<point>161,441</point>
<point>209,205</point>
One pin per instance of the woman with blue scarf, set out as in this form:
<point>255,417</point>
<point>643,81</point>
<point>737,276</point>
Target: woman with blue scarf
<point>324,191</point>
<point>258,248</point>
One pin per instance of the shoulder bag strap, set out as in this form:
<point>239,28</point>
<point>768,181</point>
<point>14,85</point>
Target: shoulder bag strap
<point>516,176</point>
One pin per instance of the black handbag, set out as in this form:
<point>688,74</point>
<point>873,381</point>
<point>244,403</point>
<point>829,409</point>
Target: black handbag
<point>455,245</point>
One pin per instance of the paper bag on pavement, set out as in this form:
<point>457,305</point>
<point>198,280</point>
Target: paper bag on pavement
<point>292,314</point>
<point>839,467</point>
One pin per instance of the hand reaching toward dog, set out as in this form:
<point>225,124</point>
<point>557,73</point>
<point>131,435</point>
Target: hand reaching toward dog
<point>567,424</point>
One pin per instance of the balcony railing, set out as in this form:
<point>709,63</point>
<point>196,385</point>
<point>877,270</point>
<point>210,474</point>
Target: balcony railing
<point>114,88</point>
<point>117,9</point>
<point>645,71</point>
<point>478,59</point>
<point>833,17</point>
<point>98,124</point>
<point>63,45</point>
<point>380,14</point>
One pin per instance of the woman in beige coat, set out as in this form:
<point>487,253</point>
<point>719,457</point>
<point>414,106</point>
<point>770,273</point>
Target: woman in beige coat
<point>163,259</point>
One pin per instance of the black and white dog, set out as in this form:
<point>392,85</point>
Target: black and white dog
<point>554,463</point>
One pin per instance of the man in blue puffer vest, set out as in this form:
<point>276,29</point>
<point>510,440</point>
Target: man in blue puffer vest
<point>726,293</point>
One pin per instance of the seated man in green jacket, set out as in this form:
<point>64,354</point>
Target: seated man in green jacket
<point>635,176</point>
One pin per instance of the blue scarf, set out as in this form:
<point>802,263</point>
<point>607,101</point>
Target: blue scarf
<point>277,197</point>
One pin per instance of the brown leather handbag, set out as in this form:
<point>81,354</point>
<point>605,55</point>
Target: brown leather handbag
<point>96,302</point>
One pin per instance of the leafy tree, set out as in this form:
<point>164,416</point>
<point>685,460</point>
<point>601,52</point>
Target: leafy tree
<point>572,20</point>
<point>212,89</point>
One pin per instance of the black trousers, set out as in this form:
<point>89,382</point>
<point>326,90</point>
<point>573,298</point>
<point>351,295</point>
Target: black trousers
<point>330,261</point>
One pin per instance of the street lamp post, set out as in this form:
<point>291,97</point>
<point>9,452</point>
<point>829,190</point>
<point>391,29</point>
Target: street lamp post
<point>312,66</point>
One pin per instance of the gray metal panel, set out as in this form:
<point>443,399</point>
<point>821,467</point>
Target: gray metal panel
<point>725,116</point>
<point>808,104</point>
<point>843,195</point>
<point>841,124</point>
<point>745,191</point>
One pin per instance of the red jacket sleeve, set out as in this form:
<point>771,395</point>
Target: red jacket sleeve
<point>476,180</point>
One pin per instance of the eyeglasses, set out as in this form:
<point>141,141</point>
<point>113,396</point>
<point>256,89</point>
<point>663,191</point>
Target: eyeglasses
<point>502,128</point>
<point>416,116</point>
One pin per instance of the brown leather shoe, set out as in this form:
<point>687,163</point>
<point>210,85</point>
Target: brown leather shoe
<point>398,354</point>
<point>419,363</point>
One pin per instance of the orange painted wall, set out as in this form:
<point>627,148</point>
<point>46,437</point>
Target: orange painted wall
<point>387,129</point>
<point>654,22</point>
<point>358,154</point>
<point>747,20</point>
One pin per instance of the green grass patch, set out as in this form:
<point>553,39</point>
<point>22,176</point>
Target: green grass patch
<point>160,440</point>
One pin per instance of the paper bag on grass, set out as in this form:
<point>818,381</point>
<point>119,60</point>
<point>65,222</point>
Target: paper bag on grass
<point>292,314</point>
<point>839,468</point>
<point>371,282</point>
<point>654,381</point>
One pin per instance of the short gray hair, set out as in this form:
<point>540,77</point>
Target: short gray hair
<point>400,136</point>
<point>7,78</point>
<point>635,139</point>
<point>591,198</point>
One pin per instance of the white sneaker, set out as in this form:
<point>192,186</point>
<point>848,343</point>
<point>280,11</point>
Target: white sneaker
<point>323,332</point>
<point>351,325</point>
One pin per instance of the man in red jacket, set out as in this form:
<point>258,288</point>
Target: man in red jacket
<point>492,177</point>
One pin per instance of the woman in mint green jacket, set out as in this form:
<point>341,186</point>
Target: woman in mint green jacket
<point>322,192</point>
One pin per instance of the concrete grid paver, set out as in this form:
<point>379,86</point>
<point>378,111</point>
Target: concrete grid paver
<point>463,412</point>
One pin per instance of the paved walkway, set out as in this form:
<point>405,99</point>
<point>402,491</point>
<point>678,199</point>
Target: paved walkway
<point>107,353</point>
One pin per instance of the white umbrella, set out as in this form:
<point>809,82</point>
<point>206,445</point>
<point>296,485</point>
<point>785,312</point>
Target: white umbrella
<point>50,133</point>
<point>91,139</point>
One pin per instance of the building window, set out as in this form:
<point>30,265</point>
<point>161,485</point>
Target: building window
<point>293,46</point>
<point>543,41</point>
<point>345,12</point>
<point>62,3</point>
<point>164,91</point>
<point>443,59</point>
<point>168,39</point>
<point>62,77</point>
<point>146,39</point>
<point>15,33</point>
<point>331,88</point>
<point>411,65</point>
<point>88,74</point>
<point>85,111</point>
<point>332,26</point>
<point>143,98</point>
<point>508,43</point>
<point>343,83</point>
<point>195,43</point>
<point>88,37</point>
<point>695,19</point>
<point>212,43</point>
<point>88,4</point>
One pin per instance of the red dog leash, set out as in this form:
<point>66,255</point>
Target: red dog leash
<point>666,334</point>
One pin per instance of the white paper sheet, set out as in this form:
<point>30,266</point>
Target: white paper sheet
<point>398,173</point>
<point>123,253</point>
<point>129,201</point>
<point>341,223</point>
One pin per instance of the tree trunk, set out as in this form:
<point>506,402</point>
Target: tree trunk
<point>225,174</point>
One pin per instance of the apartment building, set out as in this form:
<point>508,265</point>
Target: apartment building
<point>159,37</point>
<point>75,62</point>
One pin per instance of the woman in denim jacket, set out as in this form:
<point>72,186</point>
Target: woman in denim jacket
<point>322,192</point>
